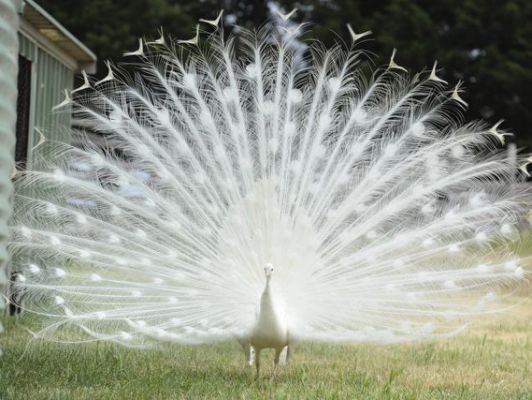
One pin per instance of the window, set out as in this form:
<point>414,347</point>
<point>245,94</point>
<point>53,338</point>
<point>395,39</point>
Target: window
<point>23,111</point>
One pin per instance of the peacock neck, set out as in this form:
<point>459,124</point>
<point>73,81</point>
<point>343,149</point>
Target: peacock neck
<point>266,303</point>
<point>267,285</point>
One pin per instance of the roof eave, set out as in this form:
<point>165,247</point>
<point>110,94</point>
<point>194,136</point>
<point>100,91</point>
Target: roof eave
<point>52,29</point>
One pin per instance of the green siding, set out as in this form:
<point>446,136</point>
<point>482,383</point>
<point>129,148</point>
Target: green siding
<point>8,96</point>
<point>50,78</point>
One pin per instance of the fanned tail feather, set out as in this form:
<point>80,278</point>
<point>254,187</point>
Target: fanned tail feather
<point>386,218</point>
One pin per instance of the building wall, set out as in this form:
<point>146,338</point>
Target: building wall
<point>8,96</point>
<point>50,78</point>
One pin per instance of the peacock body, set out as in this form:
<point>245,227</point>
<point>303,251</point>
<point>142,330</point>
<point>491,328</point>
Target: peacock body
<point>386,219</point>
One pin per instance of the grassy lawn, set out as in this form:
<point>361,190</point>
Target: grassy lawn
<point>492,360</point>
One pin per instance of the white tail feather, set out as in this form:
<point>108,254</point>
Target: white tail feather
<point>385,220</point>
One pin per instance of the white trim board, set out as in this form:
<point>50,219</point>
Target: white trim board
<point>41,41</point>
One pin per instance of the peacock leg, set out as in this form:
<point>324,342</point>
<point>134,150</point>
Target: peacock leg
<point>248,351</point>
<point>251,356</point>
<point>257,362</point>
<point>289,351</point>
<point>276,361</point>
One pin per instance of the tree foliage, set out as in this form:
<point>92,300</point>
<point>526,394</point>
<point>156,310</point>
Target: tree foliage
<point>487,44</point>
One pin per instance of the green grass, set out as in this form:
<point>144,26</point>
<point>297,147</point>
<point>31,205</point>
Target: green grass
<point>492,360</point>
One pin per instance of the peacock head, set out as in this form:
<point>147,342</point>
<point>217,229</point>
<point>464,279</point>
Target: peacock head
<point>268,270</point>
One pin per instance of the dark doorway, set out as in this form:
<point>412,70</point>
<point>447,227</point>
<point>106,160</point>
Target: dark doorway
<point>23,111</point>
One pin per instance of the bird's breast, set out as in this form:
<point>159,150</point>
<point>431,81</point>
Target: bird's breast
<point>271,328</point>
